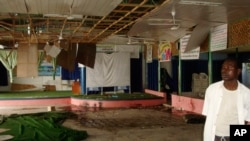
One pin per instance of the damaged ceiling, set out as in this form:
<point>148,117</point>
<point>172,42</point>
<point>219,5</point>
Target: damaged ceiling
<point>179,17</point>
<point>86,21</point>
<point>113,21</point>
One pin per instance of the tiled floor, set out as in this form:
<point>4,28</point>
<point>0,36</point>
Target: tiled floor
<point>157,123</point>
<point>141,124</point>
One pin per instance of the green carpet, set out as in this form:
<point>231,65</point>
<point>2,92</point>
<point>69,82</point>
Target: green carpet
<point>35,94</point>
<point>56,94</point>
<point>40,127</point>
<point>118,96</point>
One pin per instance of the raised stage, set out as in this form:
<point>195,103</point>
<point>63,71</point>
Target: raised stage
<point>187,102</point>
<point>71,101</point>
<point>183,102</point>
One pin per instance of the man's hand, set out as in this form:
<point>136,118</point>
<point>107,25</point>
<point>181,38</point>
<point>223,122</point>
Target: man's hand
<point>247,122</point>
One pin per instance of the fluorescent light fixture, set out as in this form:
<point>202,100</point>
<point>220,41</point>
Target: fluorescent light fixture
<point>69,17</point>
<point>203,3</point>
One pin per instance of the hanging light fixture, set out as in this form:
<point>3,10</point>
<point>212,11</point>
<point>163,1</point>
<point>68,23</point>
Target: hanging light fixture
<point>28,29</point>
<point>16,45</point>
<point>1,46</point>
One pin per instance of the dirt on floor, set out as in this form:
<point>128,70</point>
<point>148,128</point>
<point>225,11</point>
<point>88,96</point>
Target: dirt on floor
<point>157,123</point>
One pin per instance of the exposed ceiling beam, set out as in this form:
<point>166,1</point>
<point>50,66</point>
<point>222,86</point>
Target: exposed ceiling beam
<point>136,7</point>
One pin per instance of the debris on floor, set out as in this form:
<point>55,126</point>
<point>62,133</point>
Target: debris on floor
<point>194,118</point>
<point>40,127</point>
<point>5,137</point>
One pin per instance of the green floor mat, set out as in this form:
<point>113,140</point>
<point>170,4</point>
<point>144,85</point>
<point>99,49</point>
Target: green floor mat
<point>40,127</point>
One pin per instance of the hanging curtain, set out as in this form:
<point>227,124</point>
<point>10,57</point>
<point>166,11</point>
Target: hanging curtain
<point>41,55</point>
<point>9,60</point>
<point>152,73</point>
<point>70,75</point>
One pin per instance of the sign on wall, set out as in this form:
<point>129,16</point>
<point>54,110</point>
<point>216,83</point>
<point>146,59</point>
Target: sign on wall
<point>219,38</point>
<point>165,52</point>
<point>46,69</point>
<point>149,53</point>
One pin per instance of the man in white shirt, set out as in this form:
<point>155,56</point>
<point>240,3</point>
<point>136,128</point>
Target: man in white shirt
<point>226,103</point>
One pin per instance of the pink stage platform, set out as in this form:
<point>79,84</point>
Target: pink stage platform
<point>84,102</point>
<point>179,102</point>
<point>187,103</point>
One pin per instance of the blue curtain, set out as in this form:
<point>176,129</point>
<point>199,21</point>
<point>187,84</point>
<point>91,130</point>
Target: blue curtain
<point>136,74</point>
<point>74,75</point>
<point>152,73</point>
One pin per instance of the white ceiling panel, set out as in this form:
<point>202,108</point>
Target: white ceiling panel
<point>12,6</point>
<point>67,7</point>
<point>49,6</point>
<point>94,7</point>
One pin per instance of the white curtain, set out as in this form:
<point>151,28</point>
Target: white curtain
<point>109,70</point>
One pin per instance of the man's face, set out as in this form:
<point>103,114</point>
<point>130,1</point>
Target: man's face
<point>229,71</point>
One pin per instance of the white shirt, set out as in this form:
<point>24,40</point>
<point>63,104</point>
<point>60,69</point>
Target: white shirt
<point>213,98</point>
<point>228,113</point>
